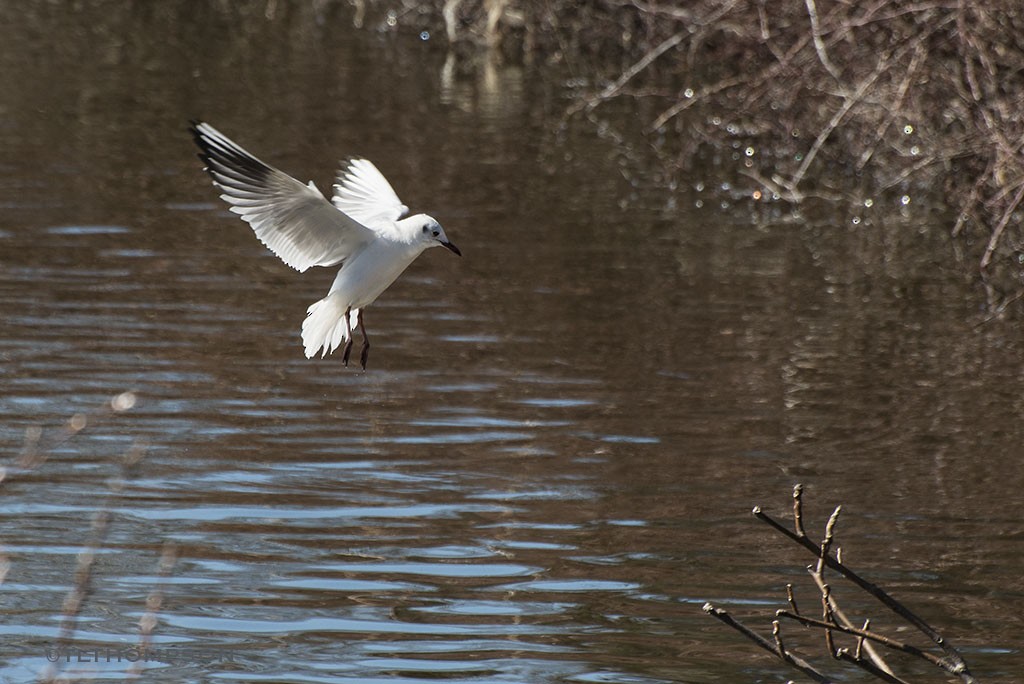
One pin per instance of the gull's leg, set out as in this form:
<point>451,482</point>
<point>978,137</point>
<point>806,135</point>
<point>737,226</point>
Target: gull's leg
<point>366,341</point>
<point>348,339</point>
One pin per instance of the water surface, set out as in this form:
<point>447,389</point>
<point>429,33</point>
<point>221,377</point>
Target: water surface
<point>549,465</point>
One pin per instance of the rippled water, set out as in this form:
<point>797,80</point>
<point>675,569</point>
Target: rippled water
<point>549,465</point>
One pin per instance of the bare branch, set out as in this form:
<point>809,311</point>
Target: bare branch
<point>869,667</point>
<point>920,52</point>
<point>893,644</point>
<point>692,26</point>
<point>840,616</point>
<point>848,103</point>
<point>819,44</point>
<point>959,666</point>
<point>998,232</point>
<point>794,660</point>
<point>639,66</point>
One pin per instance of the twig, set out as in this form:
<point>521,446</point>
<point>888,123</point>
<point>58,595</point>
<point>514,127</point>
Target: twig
<point>639,66</point>
<point>837,612</point>
<point>1000,309</point>
<point>794,660</point>
<point>791,599</point>
<point>848,102</point>
<point>780,648</point>
<point>674,12</point>
<point>873,636</point>
<point>826,542</point>
<point>906,173</point>
<point>692,27</point>
<point>798,509</point>
<point>998,232</point>
<point>972,199</point>
<point>764,76</point>
<point>869,667</point>
<point>785,193</point>
<point>920,51</point>
<point>819,44</point>
<point>860,640</point>
<point>826,618</point>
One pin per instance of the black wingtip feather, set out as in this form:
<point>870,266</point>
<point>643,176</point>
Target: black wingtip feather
<point>197,137</point>
<point>225,153</point>
<point>193,128</point>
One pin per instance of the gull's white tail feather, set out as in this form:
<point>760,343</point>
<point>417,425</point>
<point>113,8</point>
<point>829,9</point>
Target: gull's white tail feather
<point>325,326</point>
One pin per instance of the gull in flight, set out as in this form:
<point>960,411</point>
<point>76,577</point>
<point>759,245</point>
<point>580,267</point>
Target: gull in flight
<point>361,229</point>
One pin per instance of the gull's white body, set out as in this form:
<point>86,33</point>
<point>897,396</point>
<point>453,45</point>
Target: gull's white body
<point>362,279</point>
<point>361,229</point>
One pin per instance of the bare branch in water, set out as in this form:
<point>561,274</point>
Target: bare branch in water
<point>772,647</point>
<point>834,620</point>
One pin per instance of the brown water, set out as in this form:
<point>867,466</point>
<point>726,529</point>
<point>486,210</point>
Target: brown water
<point>549,465</point>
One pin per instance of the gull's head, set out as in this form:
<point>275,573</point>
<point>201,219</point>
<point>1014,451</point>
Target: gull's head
<point>428,232</point>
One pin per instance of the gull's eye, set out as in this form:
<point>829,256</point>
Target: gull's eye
<point>436,233</point>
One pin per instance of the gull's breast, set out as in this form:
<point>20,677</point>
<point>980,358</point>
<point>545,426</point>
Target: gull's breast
<point>366,275</point>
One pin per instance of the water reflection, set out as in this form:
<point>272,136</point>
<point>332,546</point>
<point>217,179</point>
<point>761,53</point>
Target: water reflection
<point>489,90</point>
<point>550,468</point>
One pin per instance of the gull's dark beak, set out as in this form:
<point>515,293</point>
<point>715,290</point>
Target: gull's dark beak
<point>450,246</point>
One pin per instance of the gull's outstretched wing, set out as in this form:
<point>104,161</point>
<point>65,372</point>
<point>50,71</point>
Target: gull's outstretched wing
<point>295,221</point>
<point>362,192</point>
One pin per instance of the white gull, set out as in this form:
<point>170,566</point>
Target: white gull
<point>361,229</point>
